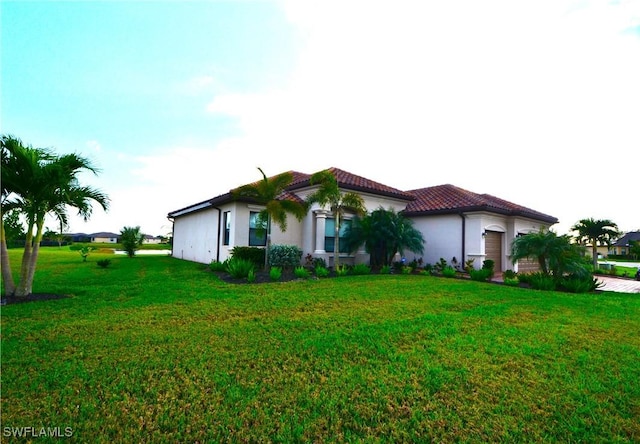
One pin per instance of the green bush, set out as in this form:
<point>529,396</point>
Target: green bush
<point>253,254</point>
<point>218,266</point>
<point>240,268</point>
<point>509,274</point>
<point>251,276</point>
<point>360,269</point>
<point>104,263</point>
<point>385,269</point>
<point>301,273</point>
<point>342,270</point>
<point>511,282</point>
<point>541,281</point>
<point>321,271</point>
<point>285,256</point>
<point>275,273</point>
<point>575,284</point>
<point>489,264</point>
<point>480,275</point>
<point>449,271</point>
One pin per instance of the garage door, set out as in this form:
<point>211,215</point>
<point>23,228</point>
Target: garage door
<point>493,248</point>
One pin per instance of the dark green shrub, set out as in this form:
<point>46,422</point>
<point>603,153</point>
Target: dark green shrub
<point>449,271</point>
<point>360,269</point>
<point>253,254</point>
<point>240,268</point>
<point>480,275</point>
<point>218,266</point>
<point>342,270</point>
<point>511,282</point>
<point>489,264</point>
<point>575,284</point>
<point>321,271</point>
<point>385,269</point>
<point>509,274</point>
<point>285,256</point>
<point>251,276</point>
<point>275,273</point>
<point>104,263</point>
<point>440,265</point>
<point>541,281</point>
<point>131,239</point>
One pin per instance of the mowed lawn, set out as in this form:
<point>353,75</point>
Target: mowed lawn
<point>154,349</point>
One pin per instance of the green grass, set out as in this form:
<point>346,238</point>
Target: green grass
<point>153,349</point>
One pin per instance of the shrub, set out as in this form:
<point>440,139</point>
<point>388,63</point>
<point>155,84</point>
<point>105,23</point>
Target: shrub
<point>321,271</point>
<point>285,256</point>
<point>218,266</point>
<point>360,269</point>
<point>468,265</point>
<point>253,254</point>
<point>301,273</point>
<point>104,263</point>
<point>239,268</point>
<point>440,265</point>
<point>275,273</point>
<point>406,270</point>
<point>251,276</point>
<point>449,271</point>
<point>575,284</point>
<point>480,275</point>
<point>541,281</point>
<point>509,274</point>
<point>131,239</point>
<point>385,269</point>
<point>511,282</point>
<point>489,264</point>
<point>314,262</point>
<point>342,270</point>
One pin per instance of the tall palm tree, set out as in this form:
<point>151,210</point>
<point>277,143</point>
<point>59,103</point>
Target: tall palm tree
<point>329,195</point>
<point>269,192</point>
<point>597,232</point>
<point>384,233</point>
<point>43,183</point>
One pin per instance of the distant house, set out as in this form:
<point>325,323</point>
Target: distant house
<point>454,222</point>
<point>105,237</point>
<point>148,239</point>
<point>622,245</point>
<point>78,237</point>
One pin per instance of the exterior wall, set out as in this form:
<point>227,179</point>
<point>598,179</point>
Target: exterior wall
<point>108,240</point>
<point>195,236</point>
<point>443,238</point>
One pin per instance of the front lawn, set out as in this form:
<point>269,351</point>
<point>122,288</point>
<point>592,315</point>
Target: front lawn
<point>154,349</point>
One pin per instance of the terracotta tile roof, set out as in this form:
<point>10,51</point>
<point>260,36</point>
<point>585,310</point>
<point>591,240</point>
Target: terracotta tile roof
<point>354,182</point>
<point>443,199</point>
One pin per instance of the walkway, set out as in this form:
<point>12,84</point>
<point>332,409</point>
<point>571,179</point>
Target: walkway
<point>619,285</point>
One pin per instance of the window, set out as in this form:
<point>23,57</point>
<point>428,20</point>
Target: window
<point>257,230</point>
<point>227,227</point>
<point>329,235</point>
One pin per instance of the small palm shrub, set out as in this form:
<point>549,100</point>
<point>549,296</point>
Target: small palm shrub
<point>541,281</point>
<point>511,282</point>
<point>575,284</point>
<point>342,270</point>
<point>275,273</point>
<point>360,269</point>
<point>385,269</point>
<point>104,263</point>
<point>321,271</point>
<point>301,273</point>
<point>449,271</point>
<point>239,268</point>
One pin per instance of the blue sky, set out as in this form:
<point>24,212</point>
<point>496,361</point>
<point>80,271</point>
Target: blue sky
<point>177,102</point>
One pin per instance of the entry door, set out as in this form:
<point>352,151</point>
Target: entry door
<point>493,248</point>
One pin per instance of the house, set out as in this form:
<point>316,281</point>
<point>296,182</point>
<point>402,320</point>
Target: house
<point>105,237</point>
<point>454,222</point>
<point>149,239</point>
<point>622,245</point>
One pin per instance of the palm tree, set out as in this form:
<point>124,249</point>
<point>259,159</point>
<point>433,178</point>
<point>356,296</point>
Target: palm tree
<point>42,183</point>
<point>598,232</point>
<point>329,194</point>
<point>269,192</point>
<point>384,233</point>
<point>131,239</point>
<point>556,255</point>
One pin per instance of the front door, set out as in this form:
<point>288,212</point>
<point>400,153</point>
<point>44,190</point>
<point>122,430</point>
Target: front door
<point>493,249</point>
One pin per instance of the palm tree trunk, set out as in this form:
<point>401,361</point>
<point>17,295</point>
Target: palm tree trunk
<point>595,254</point>
<point>268,245</point>
<point>34,258</point>
<point>7,276</point>
<point>21,289</point>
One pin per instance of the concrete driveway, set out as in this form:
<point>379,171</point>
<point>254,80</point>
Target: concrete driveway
<point>618,285</point>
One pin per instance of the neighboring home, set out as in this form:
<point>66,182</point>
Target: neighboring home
<point>454,222</point>
<point>148,239</point>
<point>78,237</point>
<point>105,237</point>
<point>622,245</point>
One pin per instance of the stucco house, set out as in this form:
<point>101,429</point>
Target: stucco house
<point>455,223</point>
<point>105,237</point>
<point>622,246</point>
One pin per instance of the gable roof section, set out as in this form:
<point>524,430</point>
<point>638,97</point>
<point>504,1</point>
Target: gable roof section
<point>448,199</point>
<point>630,236</point>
